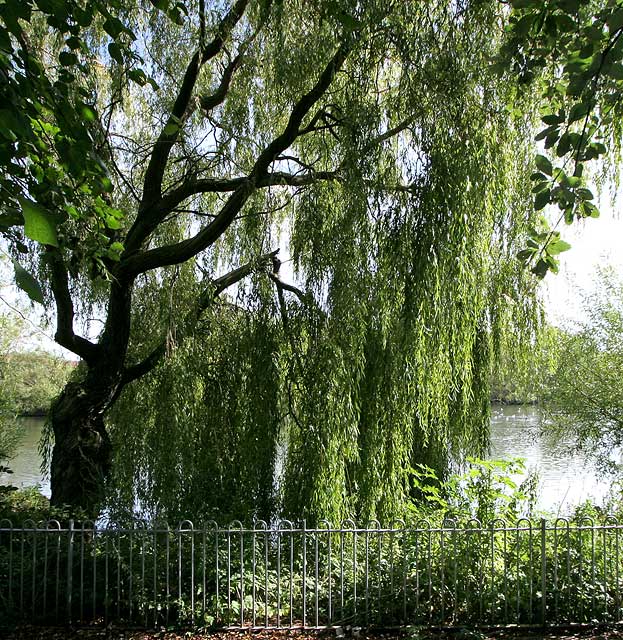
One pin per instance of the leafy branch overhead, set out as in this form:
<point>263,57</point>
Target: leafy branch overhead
<point>571,51</point>
<point>53,155</point>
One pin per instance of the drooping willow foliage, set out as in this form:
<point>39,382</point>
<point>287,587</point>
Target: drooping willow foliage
<point>317,401</point>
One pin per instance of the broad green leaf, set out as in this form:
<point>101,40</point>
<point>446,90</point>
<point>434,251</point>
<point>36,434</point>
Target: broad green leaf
<point>115,52</point>
<point>541,199</point>
<point>579,111</point>
<point>564,145</point>
<point>552,118</point>
<point>569,6</point>
<point>138,76</point>
<point>87,113</point>
<point>27,283</point>
<point>540,269</point>
<point>67,58</point>
<point>113,27</point>
<point>112,222</point>
<point>554,248</point>
<point>544,164</point>
<point>525,254</point>
<point>584,194</point>
<point>39,224</point>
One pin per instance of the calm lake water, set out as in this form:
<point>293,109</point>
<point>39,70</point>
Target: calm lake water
<point>26,465</point>
<point>565,480</point>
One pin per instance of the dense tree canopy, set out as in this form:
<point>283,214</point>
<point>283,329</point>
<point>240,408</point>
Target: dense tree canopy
<point>367,146</point>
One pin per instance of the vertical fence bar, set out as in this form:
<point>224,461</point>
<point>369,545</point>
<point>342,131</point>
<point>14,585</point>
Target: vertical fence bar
<point>342,571</point>
<point>304,580</point>
<point>106,574</point>
<point>266,566</point>
<point>81,615</point>
<point>492,574</point>
<point>617,594</point>
<point>355,572</point>
<point>455,577</point>
<point>143,596</point>
<point>367,575</point>
<point>154,568</point>
<point>291,601</point>
<point>253,569</point>
<point>593,570</point>
<point>543,571</point>
<point>416,536</point>
<point>278,562</point>
<point>57,590</point>
<point>167,572</point>
<point>349,526</point>
<point>405,564</point>
<point>329,574</point>
<point>228,573</point>
<point>604,564</point>
<point>216,567</point>
<point>241,574</point>
<point>94,561</point>
<point>33,585</point>
<point>316,577</point>
<point>118,539</point>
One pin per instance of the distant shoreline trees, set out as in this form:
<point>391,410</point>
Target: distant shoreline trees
<point>582,398</point>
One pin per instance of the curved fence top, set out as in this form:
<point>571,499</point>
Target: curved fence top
<point>322,526</point>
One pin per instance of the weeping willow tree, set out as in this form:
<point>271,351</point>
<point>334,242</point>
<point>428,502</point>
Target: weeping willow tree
<point>399,204</point>
<point>365,145</point>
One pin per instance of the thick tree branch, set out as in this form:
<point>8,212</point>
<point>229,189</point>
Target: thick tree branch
<point>65,335</point>
<point>182,251</point>
<point>224,185</point>
<point>170,132</point>
<point>209,102</point>
<point>231,278</point>
<point>301,109</point>
<point>284,286</point>
<point>205,299</point>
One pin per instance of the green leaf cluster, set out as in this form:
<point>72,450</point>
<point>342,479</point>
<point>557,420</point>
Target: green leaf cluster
<point>571,52</point>
<point>53,174</point>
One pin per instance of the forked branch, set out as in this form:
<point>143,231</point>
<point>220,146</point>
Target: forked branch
<point>152,186</point>
<point>182,251</point>
<point>65,335</point>
<point>205,299</point>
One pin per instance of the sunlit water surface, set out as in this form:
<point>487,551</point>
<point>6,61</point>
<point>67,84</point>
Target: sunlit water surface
<point>565,479</point>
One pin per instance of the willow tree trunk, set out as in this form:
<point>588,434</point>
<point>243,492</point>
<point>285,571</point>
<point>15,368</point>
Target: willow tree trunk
<point>82,454</point>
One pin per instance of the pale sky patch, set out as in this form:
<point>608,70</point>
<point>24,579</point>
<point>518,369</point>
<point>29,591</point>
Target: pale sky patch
<point>595,243</point>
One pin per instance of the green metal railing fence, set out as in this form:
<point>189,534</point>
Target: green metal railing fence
<point>290,575</point>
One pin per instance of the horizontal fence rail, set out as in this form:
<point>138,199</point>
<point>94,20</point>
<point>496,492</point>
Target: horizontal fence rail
<point>288,575</point>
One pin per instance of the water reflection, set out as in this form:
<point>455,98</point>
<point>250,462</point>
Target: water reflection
<point>565,479</point>
<point>26,465</point>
